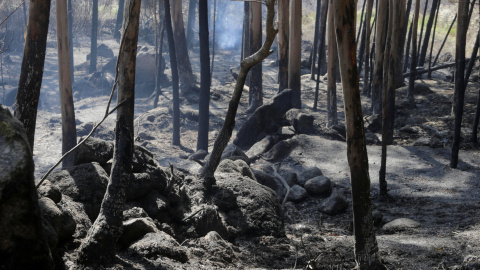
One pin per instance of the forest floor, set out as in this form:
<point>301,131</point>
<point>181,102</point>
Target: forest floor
<point>422,186</point>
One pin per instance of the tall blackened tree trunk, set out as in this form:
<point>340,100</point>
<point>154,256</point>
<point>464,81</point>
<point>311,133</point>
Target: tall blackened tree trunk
<point>192,4</point>
<point>203,114</point>
<point>321,49</point>
<point>295,52</point>
<point>402,34</point>
<point>380,39</point>
<point>413,64</point>
<point>423,24</point>
<point>332,70</point>
<point>93,38</point>
<point>255,88</point>
<point>118,22</point>
<point>368,16</point>
<point>366,248</point>
<point>313,53</point>
<point>283,42</point>
<point>184,66</point>
<point>69,132</point>
<point>28,94</point>
<point>70,38</point>
<point>225,134</point>
<point>461,37</point>
<point>175,71</point>
<point>428,30</point>
<point>433,41</point>
<point>100,243</point>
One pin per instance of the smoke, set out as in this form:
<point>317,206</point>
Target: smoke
<point>229,24</point>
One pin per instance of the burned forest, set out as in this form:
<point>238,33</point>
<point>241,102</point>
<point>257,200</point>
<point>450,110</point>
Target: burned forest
<point>239,134</point>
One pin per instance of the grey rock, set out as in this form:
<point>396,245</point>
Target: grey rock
<point>143,183</point>
<point>51,235</point>
<point>159,244</point>
<point>270,181</point>
<point>263,117</point>
<point>212,247</point>
<point>233,152</point>
<point>135,229</point>
<point>303,123</point>
<point>400,224</point>
<point>49,190</point>
<point>85,183</point>
<point>155,204</point>
<point>280,150</point>
<point>132,211</point>
<point>199,155</point>
<point>291,115</point>
<point>335,204</point>
<point>377,217</point>
<point>297,193</point>
<point>286,132</point>
<point>308,174</point>
<point>290,177</point>
<point>237,166</point>
<point>94,150</point>
<point>260,147</point>
<point>371,139</point>
<point>373,123</point>
<point>250,208</point>
<point>76,211</point>
<point>320,186</point>
<point>409,130</point>
<point>51,213</point>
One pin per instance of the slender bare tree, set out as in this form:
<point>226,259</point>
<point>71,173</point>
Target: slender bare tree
<point>283,38</point>
<point>255,93</point>
<point>332,70</point>
<point>204,103</point>
<point>93,38</point>
<point>295,51</point>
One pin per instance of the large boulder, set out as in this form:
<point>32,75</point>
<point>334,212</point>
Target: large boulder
<point>237,166</point>
<point>335,204</point>
<point>263,119</point>
<point>23,243</point>
<point>159,244</point>
<point>85,183</point>
<point>49,190</point>
<point>77,212</point>
<point>94,150</point>
<point>249,208</point>
<point>308,174</point>
<point>260,147</point>
<point>135,229</point>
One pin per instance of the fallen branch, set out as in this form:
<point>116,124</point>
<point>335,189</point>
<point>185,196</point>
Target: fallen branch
<point>283,182</point>
<point>423,71</point>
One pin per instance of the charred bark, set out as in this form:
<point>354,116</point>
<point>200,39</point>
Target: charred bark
<point>413,64</point>
<point>203,114</point>
<point>93,38</point>
<point>321,49</point>
<point>313,53</point>
<point>283,37</point>
<point>366,248</point>
<point>295,52</point>
<point>332,71</point>
<point>26,101</point>
<point>428,30</point>
<point>380,39</point>
<point>255,93</point>
<point>100,243</point>
<point>118,22</point>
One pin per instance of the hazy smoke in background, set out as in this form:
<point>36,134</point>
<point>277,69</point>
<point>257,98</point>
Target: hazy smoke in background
<point>229,25</point>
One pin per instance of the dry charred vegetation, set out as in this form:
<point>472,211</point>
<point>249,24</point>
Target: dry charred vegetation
<point>270,134</point>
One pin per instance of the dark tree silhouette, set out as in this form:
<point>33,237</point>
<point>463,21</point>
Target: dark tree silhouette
<point>332,71</point>
<point>283,37</point>
<point>100,244</point>
<point>26,101</point>
<point>295,52</point>
<point>93,38</point>
<point>428,30</point>
<point>413,64</point>
<point>377,76</point>
<point>70,38</point>
<point>118,22</point>
<point>204,103</point>
<point>366,248</point>
<point>255,93</point>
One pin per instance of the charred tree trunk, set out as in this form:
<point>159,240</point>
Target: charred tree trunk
<point>332,71</point>
<point>213,39</point>
<point>159,51</point>
<point>379,56</point>
<point>100,243</point>
<point>283,38</point>
<point>471,63</point>
<point>118,22</point>
<point>226,132</point>
<point>413,64</point>
<point>69,132</point>
<point>255,93</point>
<point>407,48</point>
<point>321,49</point>
<point>313,53</point>
<point>366,248</point>
<point>28,94</point>
<point>423,24</point>
<point>366,85</point>
<point>192,4</point>
<point>402,31</point>
<point>203,114</point>
<point>70,38</point>
<point>295,53</point>
<point>428,30</point>
<point>93,38</point>
<point>461,37</point>
<point>184,67</point>
<point>175,71</point>
<point>433,41</point>
<point>444,40</point>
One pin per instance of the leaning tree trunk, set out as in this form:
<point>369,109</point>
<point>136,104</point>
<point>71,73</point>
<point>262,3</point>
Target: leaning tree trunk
<point>433,41</point>
<point>283,37</point>
<point>184,67</point>
<point>380,39</point>
<point>203,112</point>
<point>69,132</point>
<point>255,88</point>
<point>428,30</point>
<point>175,78</point>
<point>413,64</point>
<point>459,78</point>
<point>226,132</point>
<point>332,71</point>
<point>295,53</point>
<point>366,248</point>
<point>99,246</point>
<point>28,94</point>
<point>93,38</point>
